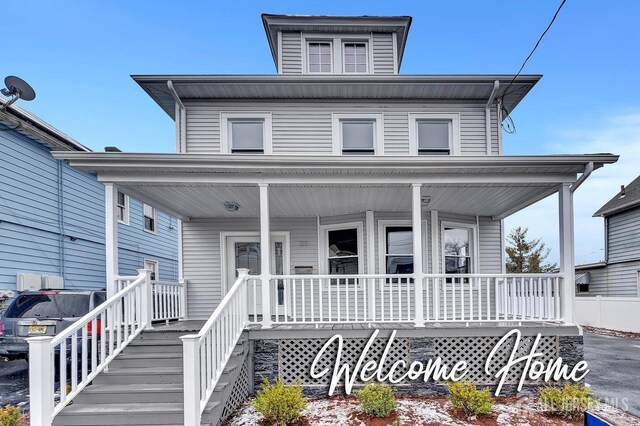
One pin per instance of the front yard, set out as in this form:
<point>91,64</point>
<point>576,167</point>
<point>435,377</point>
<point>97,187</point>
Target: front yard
<point>428,411</point>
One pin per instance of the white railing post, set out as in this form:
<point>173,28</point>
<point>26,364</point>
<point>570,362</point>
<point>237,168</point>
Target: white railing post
<point>183,298</point>
<point>40,380</point>
<point>567,267</point>
<point>146,304</point>
<point>416,210</point>
<point>191,367</point>
<point>265,255</point>
<point>244,274</point>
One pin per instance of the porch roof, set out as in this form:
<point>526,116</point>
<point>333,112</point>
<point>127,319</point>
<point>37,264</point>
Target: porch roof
<point>196,186</point>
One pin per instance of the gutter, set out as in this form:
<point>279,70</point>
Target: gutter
<point>587,172</point>
<point>487,114</point>
<point>181,119</point>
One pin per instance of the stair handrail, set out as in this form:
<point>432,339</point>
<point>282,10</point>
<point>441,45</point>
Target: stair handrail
<point>92,341</point>
<point>206,354</point>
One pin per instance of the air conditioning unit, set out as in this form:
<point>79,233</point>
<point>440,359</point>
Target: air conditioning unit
<point>28,282</point>
<point>52,282</point>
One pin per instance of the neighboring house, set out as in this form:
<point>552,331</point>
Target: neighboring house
<point>337,196</point>
<point>52,216</point>
<point>617,278</point>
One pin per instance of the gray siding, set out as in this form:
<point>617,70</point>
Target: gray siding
<point>291,53</point>
<point>383,62</point>
<point>618,279</point>
<point>202,251</point>
<point>303,128</point>
<point>623,237</point>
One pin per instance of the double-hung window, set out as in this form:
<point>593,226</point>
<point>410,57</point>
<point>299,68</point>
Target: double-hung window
<point>122,206</point>
<point>399,250</point>
<point>458,250</point>
<point>319,57</point>
<point>357,134</point>
<point>343,251</point>
<point>434,133</point>
<point>150,215</point>
<point>245,133</point>
<point>355,58</point>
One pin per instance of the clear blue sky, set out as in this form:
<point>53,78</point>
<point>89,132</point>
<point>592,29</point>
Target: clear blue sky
<point>79,54</point>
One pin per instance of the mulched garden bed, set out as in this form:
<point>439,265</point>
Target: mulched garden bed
<point>609,332</point>
<point>428,411</point>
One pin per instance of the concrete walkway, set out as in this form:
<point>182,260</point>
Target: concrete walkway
<point>614,364</point>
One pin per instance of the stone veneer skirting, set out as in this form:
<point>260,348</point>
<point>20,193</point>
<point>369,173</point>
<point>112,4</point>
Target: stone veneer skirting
<point>290,358</point>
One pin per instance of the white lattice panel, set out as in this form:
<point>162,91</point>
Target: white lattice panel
<point>296,356</point>
<point>475,352</point>
<point>239,393</point>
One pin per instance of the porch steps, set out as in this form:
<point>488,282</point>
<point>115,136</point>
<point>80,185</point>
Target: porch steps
<point>144,386</point>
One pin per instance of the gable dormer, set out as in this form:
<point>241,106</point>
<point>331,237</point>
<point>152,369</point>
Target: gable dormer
<point>343,45</point>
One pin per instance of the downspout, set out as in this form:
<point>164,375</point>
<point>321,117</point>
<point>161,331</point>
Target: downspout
<point>181,119</point>
<point>487,114</point>
<point>587,172</point>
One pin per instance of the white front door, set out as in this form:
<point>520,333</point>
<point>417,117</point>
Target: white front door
<point>244,252</point>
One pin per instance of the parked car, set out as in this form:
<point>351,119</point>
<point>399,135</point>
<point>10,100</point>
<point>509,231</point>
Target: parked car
<point>42,313</point>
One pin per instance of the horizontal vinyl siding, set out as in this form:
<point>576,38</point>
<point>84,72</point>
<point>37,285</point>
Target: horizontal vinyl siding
<point>618,279</point>
<point>490,246</point>
<point>624,236</point>
<point>303,128</point>
<point>291,53</point>
<point>383,53</point>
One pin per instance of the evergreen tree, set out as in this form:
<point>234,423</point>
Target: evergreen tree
<point>524,256</point>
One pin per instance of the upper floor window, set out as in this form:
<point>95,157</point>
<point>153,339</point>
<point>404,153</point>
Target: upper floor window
<point>245,133</point>
<point>150,215</point>
<point>434,134</point>
<point>357,134</point>
<point>123,208</point>
<point>319,57</point>
<point>355,58</point>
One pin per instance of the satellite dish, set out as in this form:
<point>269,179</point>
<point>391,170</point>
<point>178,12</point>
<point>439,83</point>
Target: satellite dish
<point>17,88</point>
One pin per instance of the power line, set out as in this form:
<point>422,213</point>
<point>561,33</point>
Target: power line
<point>555,15</point>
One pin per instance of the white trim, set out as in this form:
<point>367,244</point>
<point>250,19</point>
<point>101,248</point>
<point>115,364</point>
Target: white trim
<point>111,236</point>
<point>371,244</point>
<point>454,134</point>
<point>225,235</point>
<point>155,220</point>
<point>336,130</point>
<point>395,52</point>
<point>474,243</point>
<point>503,250</point>
<point>225,116</point>
<point>125,220</point>
<point>435,238</point>
<point>368,53</point>
<point>323,253</point>
<point>180,252</point>
<point>279,52</point>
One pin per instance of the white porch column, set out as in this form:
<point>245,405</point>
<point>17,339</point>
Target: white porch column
<point>111,236</point>
<point>418,272</point>
<point>371,265</point>
<point>567,260</point>
<point>265,255</point>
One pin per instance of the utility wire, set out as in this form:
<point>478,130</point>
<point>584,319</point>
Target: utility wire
<point>506,91</point>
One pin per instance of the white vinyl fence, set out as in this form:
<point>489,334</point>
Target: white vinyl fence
<point>614,313</point>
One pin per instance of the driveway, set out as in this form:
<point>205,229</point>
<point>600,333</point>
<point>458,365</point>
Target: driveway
<point>614,370</point>
<point>14,382</point>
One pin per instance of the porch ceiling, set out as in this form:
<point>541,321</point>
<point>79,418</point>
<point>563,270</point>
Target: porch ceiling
<point>196,186</point>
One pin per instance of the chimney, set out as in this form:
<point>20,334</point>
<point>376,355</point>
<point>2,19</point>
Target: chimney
<point>111,149</point>
<point>622,193</point>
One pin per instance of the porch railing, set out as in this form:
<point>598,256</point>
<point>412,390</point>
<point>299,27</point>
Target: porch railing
<point>85,348</point>
<point>318,299</point>
<point>169,300</point>
<point>205,355</point>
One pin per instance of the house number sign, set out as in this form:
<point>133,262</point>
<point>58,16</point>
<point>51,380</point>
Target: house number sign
<point>436,370</point>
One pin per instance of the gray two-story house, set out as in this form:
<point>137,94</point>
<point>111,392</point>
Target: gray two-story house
<point>334,196</point>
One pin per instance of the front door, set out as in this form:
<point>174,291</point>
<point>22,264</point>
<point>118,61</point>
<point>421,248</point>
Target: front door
<point>244,252</point>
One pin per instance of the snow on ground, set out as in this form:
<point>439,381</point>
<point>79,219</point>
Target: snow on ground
<point>431,411</point>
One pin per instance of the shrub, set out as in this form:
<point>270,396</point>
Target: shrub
<point>280,404</point>
<point>571,400</point>
<point>10,415</point>
<point>377,400</point>
<point>472,401</point>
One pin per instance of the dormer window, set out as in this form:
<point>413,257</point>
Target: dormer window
<point>355,57</point>
<point>319,58</point>
<point>245,132</point>
<point>434,133</point>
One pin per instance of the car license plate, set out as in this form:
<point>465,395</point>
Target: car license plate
<point>37,329</point>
